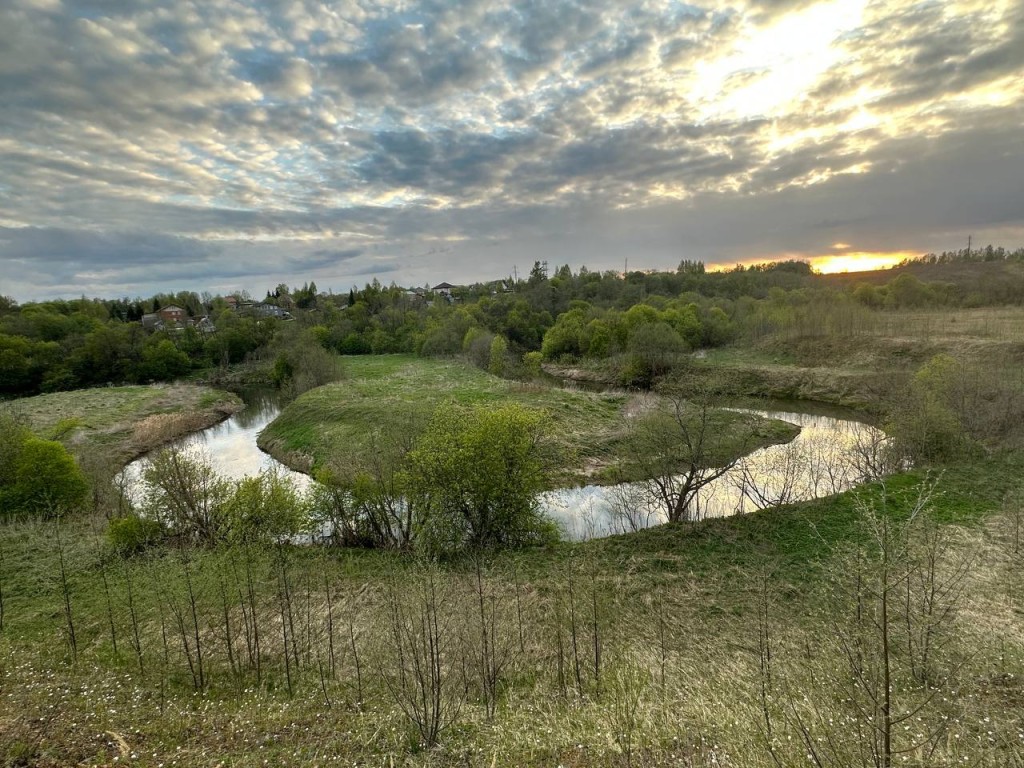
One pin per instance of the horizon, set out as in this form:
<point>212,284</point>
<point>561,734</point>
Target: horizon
<point>237,144</point>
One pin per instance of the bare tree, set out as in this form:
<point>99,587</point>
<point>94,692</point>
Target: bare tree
<point>896,602</point>
<point>421,674</point>
<point>682,448</point>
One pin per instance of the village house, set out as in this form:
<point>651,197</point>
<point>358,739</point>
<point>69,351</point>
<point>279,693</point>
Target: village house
<point>172,315</point>
<point>445,289</point>
<point>152,322</point>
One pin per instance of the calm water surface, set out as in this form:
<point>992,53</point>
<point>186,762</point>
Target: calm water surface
<point>230,445</point>
<point>822,460</point>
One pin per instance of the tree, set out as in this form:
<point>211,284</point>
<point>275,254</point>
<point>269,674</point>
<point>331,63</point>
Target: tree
<point>187,495</point>
<point>496,363</point>
<point>40,477</point>
<point>680,448</point>
<point>265,507</point>
<point>477,473</point>
<point>926,425</point>
<point>892,618</point>
<point>653,349</point>
<point>163,361</point>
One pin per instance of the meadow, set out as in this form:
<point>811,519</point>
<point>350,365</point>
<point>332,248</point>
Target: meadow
<point>337,423</point>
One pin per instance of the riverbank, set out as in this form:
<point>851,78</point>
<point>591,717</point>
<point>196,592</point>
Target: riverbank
<point>733,374</point>
<point>676,613</point>
<point>338,423</point>
<point>118,424</point>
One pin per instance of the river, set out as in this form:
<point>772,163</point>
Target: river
<point>825,458</point>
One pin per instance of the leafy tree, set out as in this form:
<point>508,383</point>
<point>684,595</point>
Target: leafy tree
<point>653,349</point>
<point>40,478</point>
<point>162,361</point>
<point>266,507</point>
<point>499,349</point>
<point>188,496</point>
<point>925,425</point>
<point>477,473</point>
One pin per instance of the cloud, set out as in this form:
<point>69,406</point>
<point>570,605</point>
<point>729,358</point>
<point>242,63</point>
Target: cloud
<point>230,141</point>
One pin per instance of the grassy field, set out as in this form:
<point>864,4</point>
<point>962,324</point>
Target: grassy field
<point>334,423</point>
<point>744,642</point>
<point>676,615</point>
<point>123,422</point>
<point>860,360</point>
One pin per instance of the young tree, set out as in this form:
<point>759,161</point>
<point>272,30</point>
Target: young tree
<point>895,605</point>
<point>679,449</point>
<point>186,494</point>
<point>476,474</point>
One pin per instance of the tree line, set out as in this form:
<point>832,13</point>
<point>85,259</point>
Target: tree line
<point>641,317</point>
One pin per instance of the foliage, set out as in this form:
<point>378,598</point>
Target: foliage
<point>266,507</point>
<point>185,494</point>
<point>925,425</point>
<point>477,473</point>
<point>56,345</point>
<point>496,361</point>
<point>133,534</point>
<point>303,363</point>
<point>37,477</point>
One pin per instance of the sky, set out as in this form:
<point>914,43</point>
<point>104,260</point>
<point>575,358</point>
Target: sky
<point>224,145</point>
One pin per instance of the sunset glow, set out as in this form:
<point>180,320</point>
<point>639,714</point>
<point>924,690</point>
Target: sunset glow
<point>860,261</point>
<point>233,144</point>
<point>827,264</point>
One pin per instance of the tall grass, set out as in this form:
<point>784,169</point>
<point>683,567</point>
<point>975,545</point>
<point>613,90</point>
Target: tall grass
<point>712,644</point>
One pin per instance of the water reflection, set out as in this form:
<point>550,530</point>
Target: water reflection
<point>829,455</point>
<point>230,446</point>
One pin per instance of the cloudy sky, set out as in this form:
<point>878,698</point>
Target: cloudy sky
<point>151,145</point>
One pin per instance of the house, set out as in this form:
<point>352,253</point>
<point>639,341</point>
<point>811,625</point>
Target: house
<point>231,301</point>
<point>172,315</point>
<point>445,289</point>
<point>204,325</point>
<point>152,322</point>
<point>271,310</point>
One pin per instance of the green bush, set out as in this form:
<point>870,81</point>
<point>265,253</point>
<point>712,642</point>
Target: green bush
<point>475,476</point>
<point>133,534</point>
<point>37,477</point>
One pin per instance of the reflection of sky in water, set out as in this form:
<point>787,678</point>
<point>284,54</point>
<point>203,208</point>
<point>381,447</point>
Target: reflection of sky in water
<point>230,446</point>
<point>820,461</point>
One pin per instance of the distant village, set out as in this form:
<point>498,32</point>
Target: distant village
<point>172,317</point>
<point>278,306</point>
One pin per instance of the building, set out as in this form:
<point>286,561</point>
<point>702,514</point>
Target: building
<point>271,310</point>
<point>445,289</point>
<point>172,315</point>
<point>152,322</point>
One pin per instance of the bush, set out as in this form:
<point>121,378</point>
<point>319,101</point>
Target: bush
<point>132,534</point>
<point>476,475</point>
<point>925,425</point>
<point>37,477</point>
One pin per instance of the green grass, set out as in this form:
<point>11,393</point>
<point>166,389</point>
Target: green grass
<point>700,581</point>
<point>124,421</point>
<point>334,423</point>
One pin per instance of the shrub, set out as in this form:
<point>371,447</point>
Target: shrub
<point>476,474</point>
<point>40,478</point>
<point>133,534</point>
